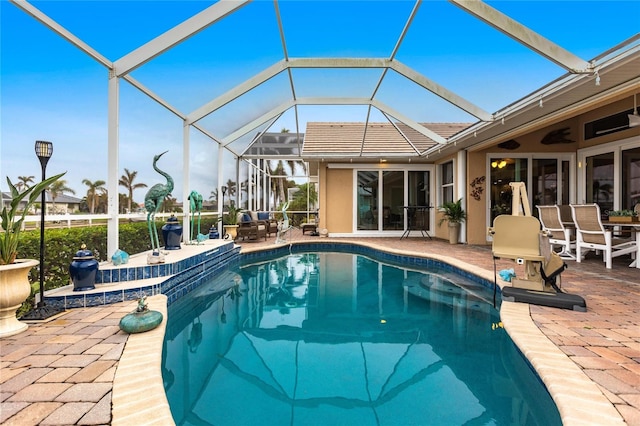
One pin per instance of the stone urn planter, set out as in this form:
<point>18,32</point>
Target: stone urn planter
<point>454,232</point>
<point>231,230</point>
<point>14,289</point>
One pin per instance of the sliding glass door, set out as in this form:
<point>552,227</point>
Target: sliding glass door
<point>547,179</point>
<point>610,175</point>
<point>383,194</point>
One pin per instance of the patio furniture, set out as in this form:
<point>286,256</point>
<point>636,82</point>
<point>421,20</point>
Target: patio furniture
<point>416,220</point>
<point>591,235</point>
<point>551,220</point>
<point>309,226</point>
<point>251,228</point>
<point>272,223</point>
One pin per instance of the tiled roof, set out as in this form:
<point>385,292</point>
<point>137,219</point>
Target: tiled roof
<point>351,139</point>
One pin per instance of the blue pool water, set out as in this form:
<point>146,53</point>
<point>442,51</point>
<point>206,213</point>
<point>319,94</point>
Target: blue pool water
<point>341,339</point>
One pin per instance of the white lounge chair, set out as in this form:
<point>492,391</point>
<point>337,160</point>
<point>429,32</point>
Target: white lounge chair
<point>591,235</point>
<point>551,221</point>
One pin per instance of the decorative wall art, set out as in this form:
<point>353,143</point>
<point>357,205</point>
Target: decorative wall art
<point>477,187</point>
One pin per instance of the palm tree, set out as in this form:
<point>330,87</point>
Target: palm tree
<point>93,193</point>
<point>126,180</point>
<point>281,184</point>
<point>56,189</point>
<point>23,182</point>
<point>232,188</point>
<point>214,197</point>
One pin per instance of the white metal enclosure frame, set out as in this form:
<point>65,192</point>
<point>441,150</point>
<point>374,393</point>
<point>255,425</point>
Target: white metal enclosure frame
<point>580,73</point>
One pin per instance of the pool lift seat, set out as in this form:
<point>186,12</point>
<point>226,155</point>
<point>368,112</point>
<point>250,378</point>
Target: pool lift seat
<point>519,237</point>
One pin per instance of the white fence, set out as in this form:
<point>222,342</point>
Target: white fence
<point>71,220</point>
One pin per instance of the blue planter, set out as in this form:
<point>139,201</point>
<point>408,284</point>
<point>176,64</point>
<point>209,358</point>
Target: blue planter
<point>83,270</point>
<point>213,233</point>
<point>172,234</point>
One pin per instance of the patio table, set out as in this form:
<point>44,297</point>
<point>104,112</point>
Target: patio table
<point>412,225</point>
<point>635,228</point>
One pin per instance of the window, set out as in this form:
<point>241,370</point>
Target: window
<point>630,178</point>
<point>446,175</point>
<point>503,172</point>
<point>600,181</point>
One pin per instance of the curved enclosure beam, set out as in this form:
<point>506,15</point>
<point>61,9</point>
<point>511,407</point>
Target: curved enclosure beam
<point>524,35</point>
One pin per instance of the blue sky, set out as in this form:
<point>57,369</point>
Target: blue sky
<point>51,90</point>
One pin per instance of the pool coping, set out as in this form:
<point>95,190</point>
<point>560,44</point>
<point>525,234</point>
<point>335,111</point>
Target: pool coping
<point>578,399</point>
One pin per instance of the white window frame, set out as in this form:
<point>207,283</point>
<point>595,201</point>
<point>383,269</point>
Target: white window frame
<point>406,168</point>
<point>616,147</point>
<point>559,156</point>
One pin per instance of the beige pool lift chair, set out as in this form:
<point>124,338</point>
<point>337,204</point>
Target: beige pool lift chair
<point>519,237</point>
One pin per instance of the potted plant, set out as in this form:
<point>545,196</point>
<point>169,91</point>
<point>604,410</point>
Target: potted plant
<point>623,216</point>
<point>14,272</point>
<point>454,214</point>
<point>230,221</point>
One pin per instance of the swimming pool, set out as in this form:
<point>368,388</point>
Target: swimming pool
<point>338,338</point>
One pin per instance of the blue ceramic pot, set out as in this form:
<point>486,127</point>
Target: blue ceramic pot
<point>83,270</point>
<point>213,233</point>
<point>172,234</point>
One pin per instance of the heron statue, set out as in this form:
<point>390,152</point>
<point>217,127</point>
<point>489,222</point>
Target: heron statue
<point>153,201</point>
<point>195,205</point>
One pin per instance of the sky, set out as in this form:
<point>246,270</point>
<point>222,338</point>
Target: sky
<point>51,90</point>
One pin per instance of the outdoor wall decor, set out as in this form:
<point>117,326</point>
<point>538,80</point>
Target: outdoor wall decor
<point>511,144</point>
<point>557,136</point>
<point>477,187</point>
<point>152,203</point>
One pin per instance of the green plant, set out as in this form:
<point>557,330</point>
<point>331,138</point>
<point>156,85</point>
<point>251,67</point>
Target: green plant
<point>452,212</point>
<point>12,217</point>
<point>618,213</point>
<point>231,217</point>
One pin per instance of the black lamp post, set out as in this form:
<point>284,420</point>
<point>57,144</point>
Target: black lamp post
<point>224,191</point>
<point>44,150</point>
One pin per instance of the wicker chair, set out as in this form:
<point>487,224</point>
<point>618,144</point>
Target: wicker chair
<point>251,228</point>
<point>560,235</point>
<point>591,235</point>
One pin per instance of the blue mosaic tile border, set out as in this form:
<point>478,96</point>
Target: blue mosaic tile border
<point>192,273</point>
<point>121,274</point>
<point>348,247</point>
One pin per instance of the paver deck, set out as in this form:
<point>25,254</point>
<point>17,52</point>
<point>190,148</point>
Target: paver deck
<point>62,372</point>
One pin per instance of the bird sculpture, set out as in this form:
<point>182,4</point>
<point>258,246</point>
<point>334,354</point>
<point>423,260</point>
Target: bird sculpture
<point>153,201</point>
<point>195,204</point>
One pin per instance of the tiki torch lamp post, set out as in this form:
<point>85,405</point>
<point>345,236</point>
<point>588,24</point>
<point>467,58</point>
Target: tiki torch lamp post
<point>44,150</point>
